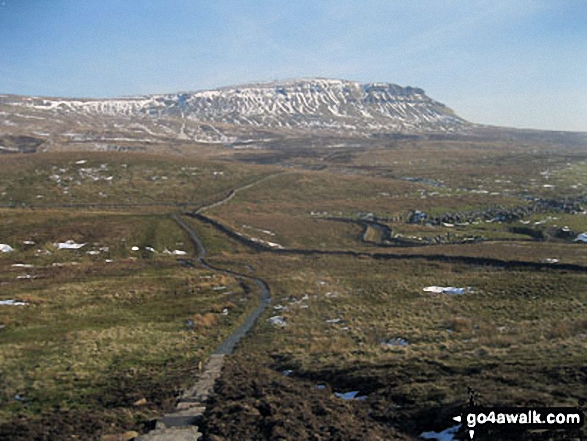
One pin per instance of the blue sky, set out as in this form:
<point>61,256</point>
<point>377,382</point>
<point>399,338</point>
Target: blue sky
<point>519,63</point>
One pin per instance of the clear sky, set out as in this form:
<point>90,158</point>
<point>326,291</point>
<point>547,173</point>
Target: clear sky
<point>520,63</point>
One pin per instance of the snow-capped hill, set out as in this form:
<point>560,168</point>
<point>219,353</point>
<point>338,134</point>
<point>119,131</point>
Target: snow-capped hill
<point>226,114</point>
<point>317,104</point>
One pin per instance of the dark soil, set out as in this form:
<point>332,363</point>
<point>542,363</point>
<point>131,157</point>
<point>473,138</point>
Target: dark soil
<point>253,402</point>
<point>108,410</point>
<point>68,425</point>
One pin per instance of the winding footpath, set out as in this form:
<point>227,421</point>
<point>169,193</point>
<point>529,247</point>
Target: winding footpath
<point>232,193</point>
<point>181,425</point>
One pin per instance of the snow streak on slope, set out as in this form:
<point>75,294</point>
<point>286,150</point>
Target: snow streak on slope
<point>308,105</point>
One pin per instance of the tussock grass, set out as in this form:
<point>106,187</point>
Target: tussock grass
<point>97,336</point>
<point>115,178</point>
<point>519,336</point>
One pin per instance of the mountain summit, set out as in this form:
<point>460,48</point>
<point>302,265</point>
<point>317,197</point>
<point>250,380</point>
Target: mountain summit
<point>319,104</point>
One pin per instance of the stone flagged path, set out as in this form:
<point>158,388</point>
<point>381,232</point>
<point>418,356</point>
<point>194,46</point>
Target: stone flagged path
<point>181,425</point>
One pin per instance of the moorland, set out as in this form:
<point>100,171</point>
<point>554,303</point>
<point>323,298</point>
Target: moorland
<point>346,232</point>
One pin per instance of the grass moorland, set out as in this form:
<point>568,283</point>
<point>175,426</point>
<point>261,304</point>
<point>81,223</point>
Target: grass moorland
<point>355,324</point>
<point>111,332</point>
<point>474,183</point>
<point>360,324</point>
<point>116,178</point>
<point>106,325</point>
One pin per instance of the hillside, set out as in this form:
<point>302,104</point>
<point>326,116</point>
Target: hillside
<point>241,113</point>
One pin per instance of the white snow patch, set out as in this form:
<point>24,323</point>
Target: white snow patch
<point>4,248</point>
<point>135,248</point>
<point>445,435</point>
<point>277,320</point>
<point>69,245</point>
<point>350,395</point>
<point>12,303</point>
<point>179,252</point>
<point>264,242</point>
<point>447,290</point>
<point>581,237</point>
<point>270,233</point>
<point>336,320</point>
<point>396,342</point>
